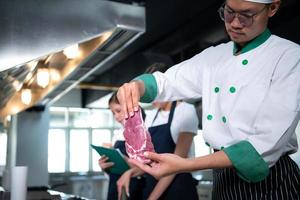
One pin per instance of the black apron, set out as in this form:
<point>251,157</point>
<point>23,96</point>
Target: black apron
<point>283,183</point>
<point>183,185</point>
<point>136,184</point>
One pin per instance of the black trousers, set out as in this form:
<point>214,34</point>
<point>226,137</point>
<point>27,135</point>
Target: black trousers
<point>283,183</point>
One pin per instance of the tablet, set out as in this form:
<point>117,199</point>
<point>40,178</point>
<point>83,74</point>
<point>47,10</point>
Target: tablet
<point>115,156</point>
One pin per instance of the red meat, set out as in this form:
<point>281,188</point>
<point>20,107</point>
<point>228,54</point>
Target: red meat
<point>137,138</point>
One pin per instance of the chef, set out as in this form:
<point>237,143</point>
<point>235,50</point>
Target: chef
<point>171,132</point>
<point>250,88</point>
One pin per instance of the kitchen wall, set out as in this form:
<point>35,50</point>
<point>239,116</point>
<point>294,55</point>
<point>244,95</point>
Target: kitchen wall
<point>32,144</point>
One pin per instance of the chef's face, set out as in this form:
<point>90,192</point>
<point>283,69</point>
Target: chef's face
<point>116,109</point>
<point>246,20</point>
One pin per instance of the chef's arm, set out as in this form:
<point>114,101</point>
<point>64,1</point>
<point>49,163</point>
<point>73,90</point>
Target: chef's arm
<point>178,82</point>
<point>166,164</point>
<point>212,161</point>
<point>182,148</point>
<point>247,162</point>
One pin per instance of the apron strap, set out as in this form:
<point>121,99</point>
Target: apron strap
<point>155,117</point>
<point>171,114</point>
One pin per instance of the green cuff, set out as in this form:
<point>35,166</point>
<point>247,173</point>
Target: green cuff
<point>250,166</point>
<point>150,87</point>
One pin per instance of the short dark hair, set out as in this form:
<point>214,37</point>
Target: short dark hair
<point>113,99</point>
<point>156,67</point>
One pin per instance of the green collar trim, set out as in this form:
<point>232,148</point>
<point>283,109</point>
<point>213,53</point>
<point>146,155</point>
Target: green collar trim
<point>253,43</point>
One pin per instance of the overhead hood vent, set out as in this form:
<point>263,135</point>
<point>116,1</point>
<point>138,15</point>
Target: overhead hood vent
<point>48,47</point>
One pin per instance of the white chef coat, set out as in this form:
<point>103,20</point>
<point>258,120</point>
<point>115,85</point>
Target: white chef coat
<point>253,96</point>
<point>251,101</point>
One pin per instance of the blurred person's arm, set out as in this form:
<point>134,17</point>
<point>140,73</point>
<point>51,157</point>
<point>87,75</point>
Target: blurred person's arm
<point>182,148</point>
<point>124,180</point>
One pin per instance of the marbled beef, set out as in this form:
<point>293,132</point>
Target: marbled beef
<point>137,138</point>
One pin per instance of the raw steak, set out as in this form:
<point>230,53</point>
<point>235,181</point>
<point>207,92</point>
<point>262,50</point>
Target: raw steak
<point>137,138</point>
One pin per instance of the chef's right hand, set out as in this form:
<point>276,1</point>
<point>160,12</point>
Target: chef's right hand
<point>104,165</point>
<point>129,95</point>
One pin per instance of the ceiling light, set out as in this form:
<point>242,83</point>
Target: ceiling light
<point>26,96</point>
<point>72,52</point>
<point>15,109</point>
<point>8,118</point>
<point>17,85</point>
<point>43,77</point>
<point>28,77</point>
<point>48,58</point>
<point>106,35</point>
<point>55,75</point>
<point>32,65</point>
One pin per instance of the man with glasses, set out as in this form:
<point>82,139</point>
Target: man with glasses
<point>250,89</point>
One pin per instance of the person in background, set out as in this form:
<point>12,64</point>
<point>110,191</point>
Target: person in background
<point>171,132</point>
<point>137,183</point>
<point>250,89</point>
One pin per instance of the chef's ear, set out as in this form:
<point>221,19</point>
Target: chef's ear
<point>273,8</point>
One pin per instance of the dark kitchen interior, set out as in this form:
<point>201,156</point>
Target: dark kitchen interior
<point>118,40</point>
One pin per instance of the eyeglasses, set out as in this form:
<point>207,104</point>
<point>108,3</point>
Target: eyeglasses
<point>246,20</point>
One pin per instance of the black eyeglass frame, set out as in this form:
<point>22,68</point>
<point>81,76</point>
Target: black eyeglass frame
<point>245,20</point>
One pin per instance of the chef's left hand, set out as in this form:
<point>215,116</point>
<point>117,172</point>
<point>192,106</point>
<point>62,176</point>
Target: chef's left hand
<point>163,164</point>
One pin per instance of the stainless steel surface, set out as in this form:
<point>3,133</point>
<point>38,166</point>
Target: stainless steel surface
<point>10,80</point>
<point>119,42</point>
<point>96,87</point>
<point>34,28</point>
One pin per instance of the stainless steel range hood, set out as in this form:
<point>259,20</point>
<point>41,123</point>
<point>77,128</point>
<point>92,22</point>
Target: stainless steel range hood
<point>39,30</point>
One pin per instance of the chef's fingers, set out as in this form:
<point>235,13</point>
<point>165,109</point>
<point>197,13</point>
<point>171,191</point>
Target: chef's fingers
<point>140,165</point>
<point>153,156</point>
<point>121,94</point>
<point>129,98</point>
<point>153,164</point>
<point>128,90</point>
<point>135,94</point>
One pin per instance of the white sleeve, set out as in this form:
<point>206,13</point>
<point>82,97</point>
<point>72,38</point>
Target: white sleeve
<point>187,122</point>
<point>279,114</point>
<point>182,81</point>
